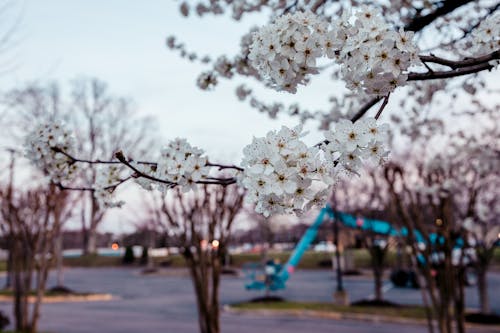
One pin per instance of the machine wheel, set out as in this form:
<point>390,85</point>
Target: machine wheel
<point>399,278</point>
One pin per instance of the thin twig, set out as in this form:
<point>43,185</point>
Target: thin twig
<point>382,107</point>
<point>91,189</point>
<point>79,160</point>
<point>365,108</point>
<point>449,74</point>
<point>222,166</point>
<point>119,155</point>
<point>455,64</point>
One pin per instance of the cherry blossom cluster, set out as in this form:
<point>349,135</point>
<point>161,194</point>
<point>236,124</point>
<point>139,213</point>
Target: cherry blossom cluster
<point>374,59</point>
<point>486,37</point>
<point>283,175</point>
<point>107,178</point>
<point>236,7</point>
<point>352,143</point>
<point>175,45</point>
<point>280,171</point>
<point>181,164</point>
<point>44,147</point>
<point>224,67</point>
<point>285,51</point>
<point>207,80</point>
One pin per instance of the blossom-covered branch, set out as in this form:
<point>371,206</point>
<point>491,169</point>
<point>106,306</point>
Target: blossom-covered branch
<point>280,172</point>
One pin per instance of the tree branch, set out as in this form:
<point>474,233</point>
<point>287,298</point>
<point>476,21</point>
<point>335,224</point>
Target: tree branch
<point>222,166</point>
<point>382,107</point>
<point>448,6</point>
<point>365,108</point>
<point>459,68</point>
<point>461,63</point>
<point>449,74</point>
<point>216,181</point>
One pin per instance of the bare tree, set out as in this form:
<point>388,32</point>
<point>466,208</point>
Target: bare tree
<point>31,219</point>
<point>366,198</point>
<point>478,196</point>
<point>102,123</point>
<point>433,231</point>
<point>202,221</point>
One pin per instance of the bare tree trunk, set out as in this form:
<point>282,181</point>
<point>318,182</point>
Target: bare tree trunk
<point>420,277</point>
<point>19,314</point>
<point>216,269</point>
<point>207,292</point>
<point>377,255</point>
<point>149,260</point>
<point>9,277</point>
<point>91,245</point>
<point>40,292</point>
<point>378,285</point>
<point>201,301</point>
<point>482,285</point>
<point>28,275</point>
<point>96,215</point>
<point>59,258</point>
<point>460,301</point>
<point>21,284</point>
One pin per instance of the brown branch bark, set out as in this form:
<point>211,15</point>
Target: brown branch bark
<point>448,6</point>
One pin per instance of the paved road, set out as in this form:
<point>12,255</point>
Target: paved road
<point>156,304</point>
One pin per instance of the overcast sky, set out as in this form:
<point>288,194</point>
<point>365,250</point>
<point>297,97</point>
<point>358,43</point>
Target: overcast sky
<point>123,43</point>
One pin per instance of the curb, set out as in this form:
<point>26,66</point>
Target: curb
<point>343,316</point>
<point>327,315</point>
<point>64,299</point>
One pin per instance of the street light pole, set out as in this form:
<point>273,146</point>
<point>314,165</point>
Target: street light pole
<point>340,296</point>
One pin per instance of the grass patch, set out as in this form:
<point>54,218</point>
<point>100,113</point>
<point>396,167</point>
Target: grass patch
<point>413,312</point>
<point>310,260</point>
<point>496,256</point>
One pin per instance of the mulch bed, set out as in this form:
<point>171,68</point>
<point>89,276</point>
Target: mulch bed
<point>61,290</point>
<point>373,302</point>
<point>483,318</point>
<point>267,299</point>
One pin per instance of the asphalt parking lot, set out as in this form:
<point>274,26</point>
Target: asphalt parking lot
<point>152,304</point>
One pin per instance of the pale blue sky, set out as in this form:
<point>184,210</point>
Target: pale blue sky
<point>123,43</point>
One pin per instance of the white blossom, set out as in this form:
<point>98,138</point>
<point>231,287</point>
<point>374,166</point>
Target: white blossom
<point>181,164</point>
<point>45,147</point>
<point>206,80</point>
<point>374,59</point>
<point>285,51</point>
<point>107,179</point>
<point>284,175</point>
<point>486,37</point>
<point>351,143</point>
